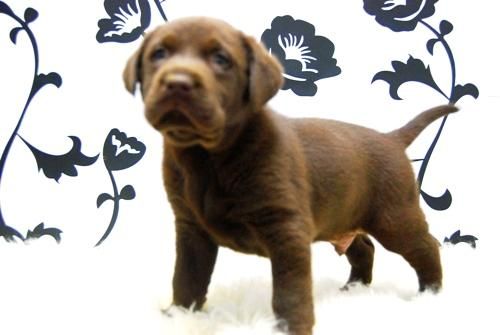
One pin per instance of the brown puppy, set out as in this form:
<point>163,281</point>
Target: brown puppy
<point>240,176</point>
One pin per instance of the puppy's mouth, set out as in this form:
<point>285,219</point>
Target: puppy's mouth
<point>185,136</point>
<point>182,135</point>
<point>180,131</point>
<point>172,118</point>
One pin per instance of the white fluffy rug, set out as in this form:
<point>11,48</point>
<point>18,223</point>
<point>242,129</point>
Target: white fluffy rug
<point>121,289</point>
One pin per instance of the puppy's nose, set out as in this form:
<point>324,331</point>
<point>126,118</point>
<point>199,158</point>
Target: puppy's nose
<point>179,83</point>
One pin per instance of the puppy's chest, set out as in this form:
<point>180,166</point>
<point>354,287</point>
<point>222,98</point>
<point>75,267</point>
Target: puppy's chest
<point>222,214</point>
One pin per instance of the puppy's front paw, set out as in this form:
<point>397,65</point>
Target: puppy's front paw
<point>353,285</point>
<point>167,311</point>
<point>283,327</point>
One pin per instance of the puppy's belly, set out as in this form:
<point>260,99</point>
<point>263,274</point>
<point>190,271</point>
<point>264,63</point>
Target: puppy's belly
<point>246,247</point>
<point>343,242</point>
<point>237,237</point>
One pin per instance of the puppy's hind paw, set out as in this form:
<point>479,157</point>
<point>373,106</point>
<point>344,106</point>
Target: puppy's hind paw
<point>430,288</point>
<point>353,285</point>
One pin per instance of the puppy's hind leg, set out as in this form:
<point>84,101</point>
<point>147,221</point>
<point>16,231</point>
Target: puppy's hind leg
<point>360,255</point>
<point>406,232</point>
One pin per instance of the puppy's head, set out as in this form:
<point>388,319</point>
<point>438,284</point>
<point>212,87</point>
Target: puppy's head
<point>200,78</point>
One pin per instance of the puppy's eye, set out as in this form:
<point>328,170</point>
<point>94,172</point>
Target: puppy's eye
<point>220,59</point>
<point>159,53</point>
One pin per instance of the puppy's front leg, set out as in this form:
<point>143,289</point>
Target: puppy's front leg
<point>290,255</point>
<point>196,255</point>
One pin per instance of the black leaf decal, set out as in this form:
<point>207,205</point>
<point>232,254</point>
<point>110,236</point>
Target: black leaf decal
<point>456,238</point>
<point>44,79</point>
<point>430,45</point>
<point>4,8</point>
<point>413,70</point>
<point>462,90</point>
<point>30,15</point>
<point>438,203</point>
<point>54,166</point>
<point>40,231</point>
<point>127,193</point>
<point>103,197</point>
<point>13,34</point>
<point>8,233</point>
<point>445,27</point>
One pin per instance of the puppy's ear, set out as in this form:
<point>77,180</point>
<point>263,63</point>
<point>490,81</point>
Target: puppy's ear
<point>132,72</point>
<point>265,76</point>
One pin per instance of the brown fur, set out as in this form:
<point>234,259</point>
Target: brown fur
<point>241,176</point>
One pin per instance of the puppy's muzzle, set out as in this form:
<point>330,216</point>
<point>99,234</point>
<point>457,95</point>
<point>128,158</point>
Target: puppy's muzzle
<point>179,84</point>
<point>184,109</point>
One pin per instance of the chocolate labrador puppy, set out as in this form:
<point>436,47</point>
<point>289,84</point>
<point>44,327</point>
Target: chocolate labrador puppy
<point>241,176</point>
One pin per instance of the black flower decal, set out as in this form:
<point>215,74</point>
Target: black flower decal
<point>128,19</point>
<point>400,15</point>
<point>120,152</point>
<point>305,57</point>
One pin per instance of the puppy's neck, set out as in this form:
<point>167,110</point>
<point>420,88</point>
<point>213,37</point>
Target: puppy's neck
<point>256,126</point>
<point>247,140</point>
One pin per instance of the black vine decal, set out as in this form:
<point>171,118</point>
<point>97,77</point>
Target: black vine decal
<point>456,238</point>
<point>52,166</point>
<point>39,80</point>
<point>305,56</point>
<point>405,16</point>
<point>119,152</point>
<point>128,20</point>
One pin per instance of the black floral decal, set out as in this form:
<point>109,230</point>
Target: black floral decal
<point>119,152</point>
<point>305,56</point>
<point>456,238</point>
<point>39,81</point>
<point>400,15</point>
<point>53,166</point>
<point>405,16</point>
<point>128,20</point>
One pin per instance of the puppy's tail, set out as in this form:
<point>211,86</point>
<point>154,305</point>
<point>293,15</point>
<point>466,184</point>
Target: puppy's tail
<point>407,134</point>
